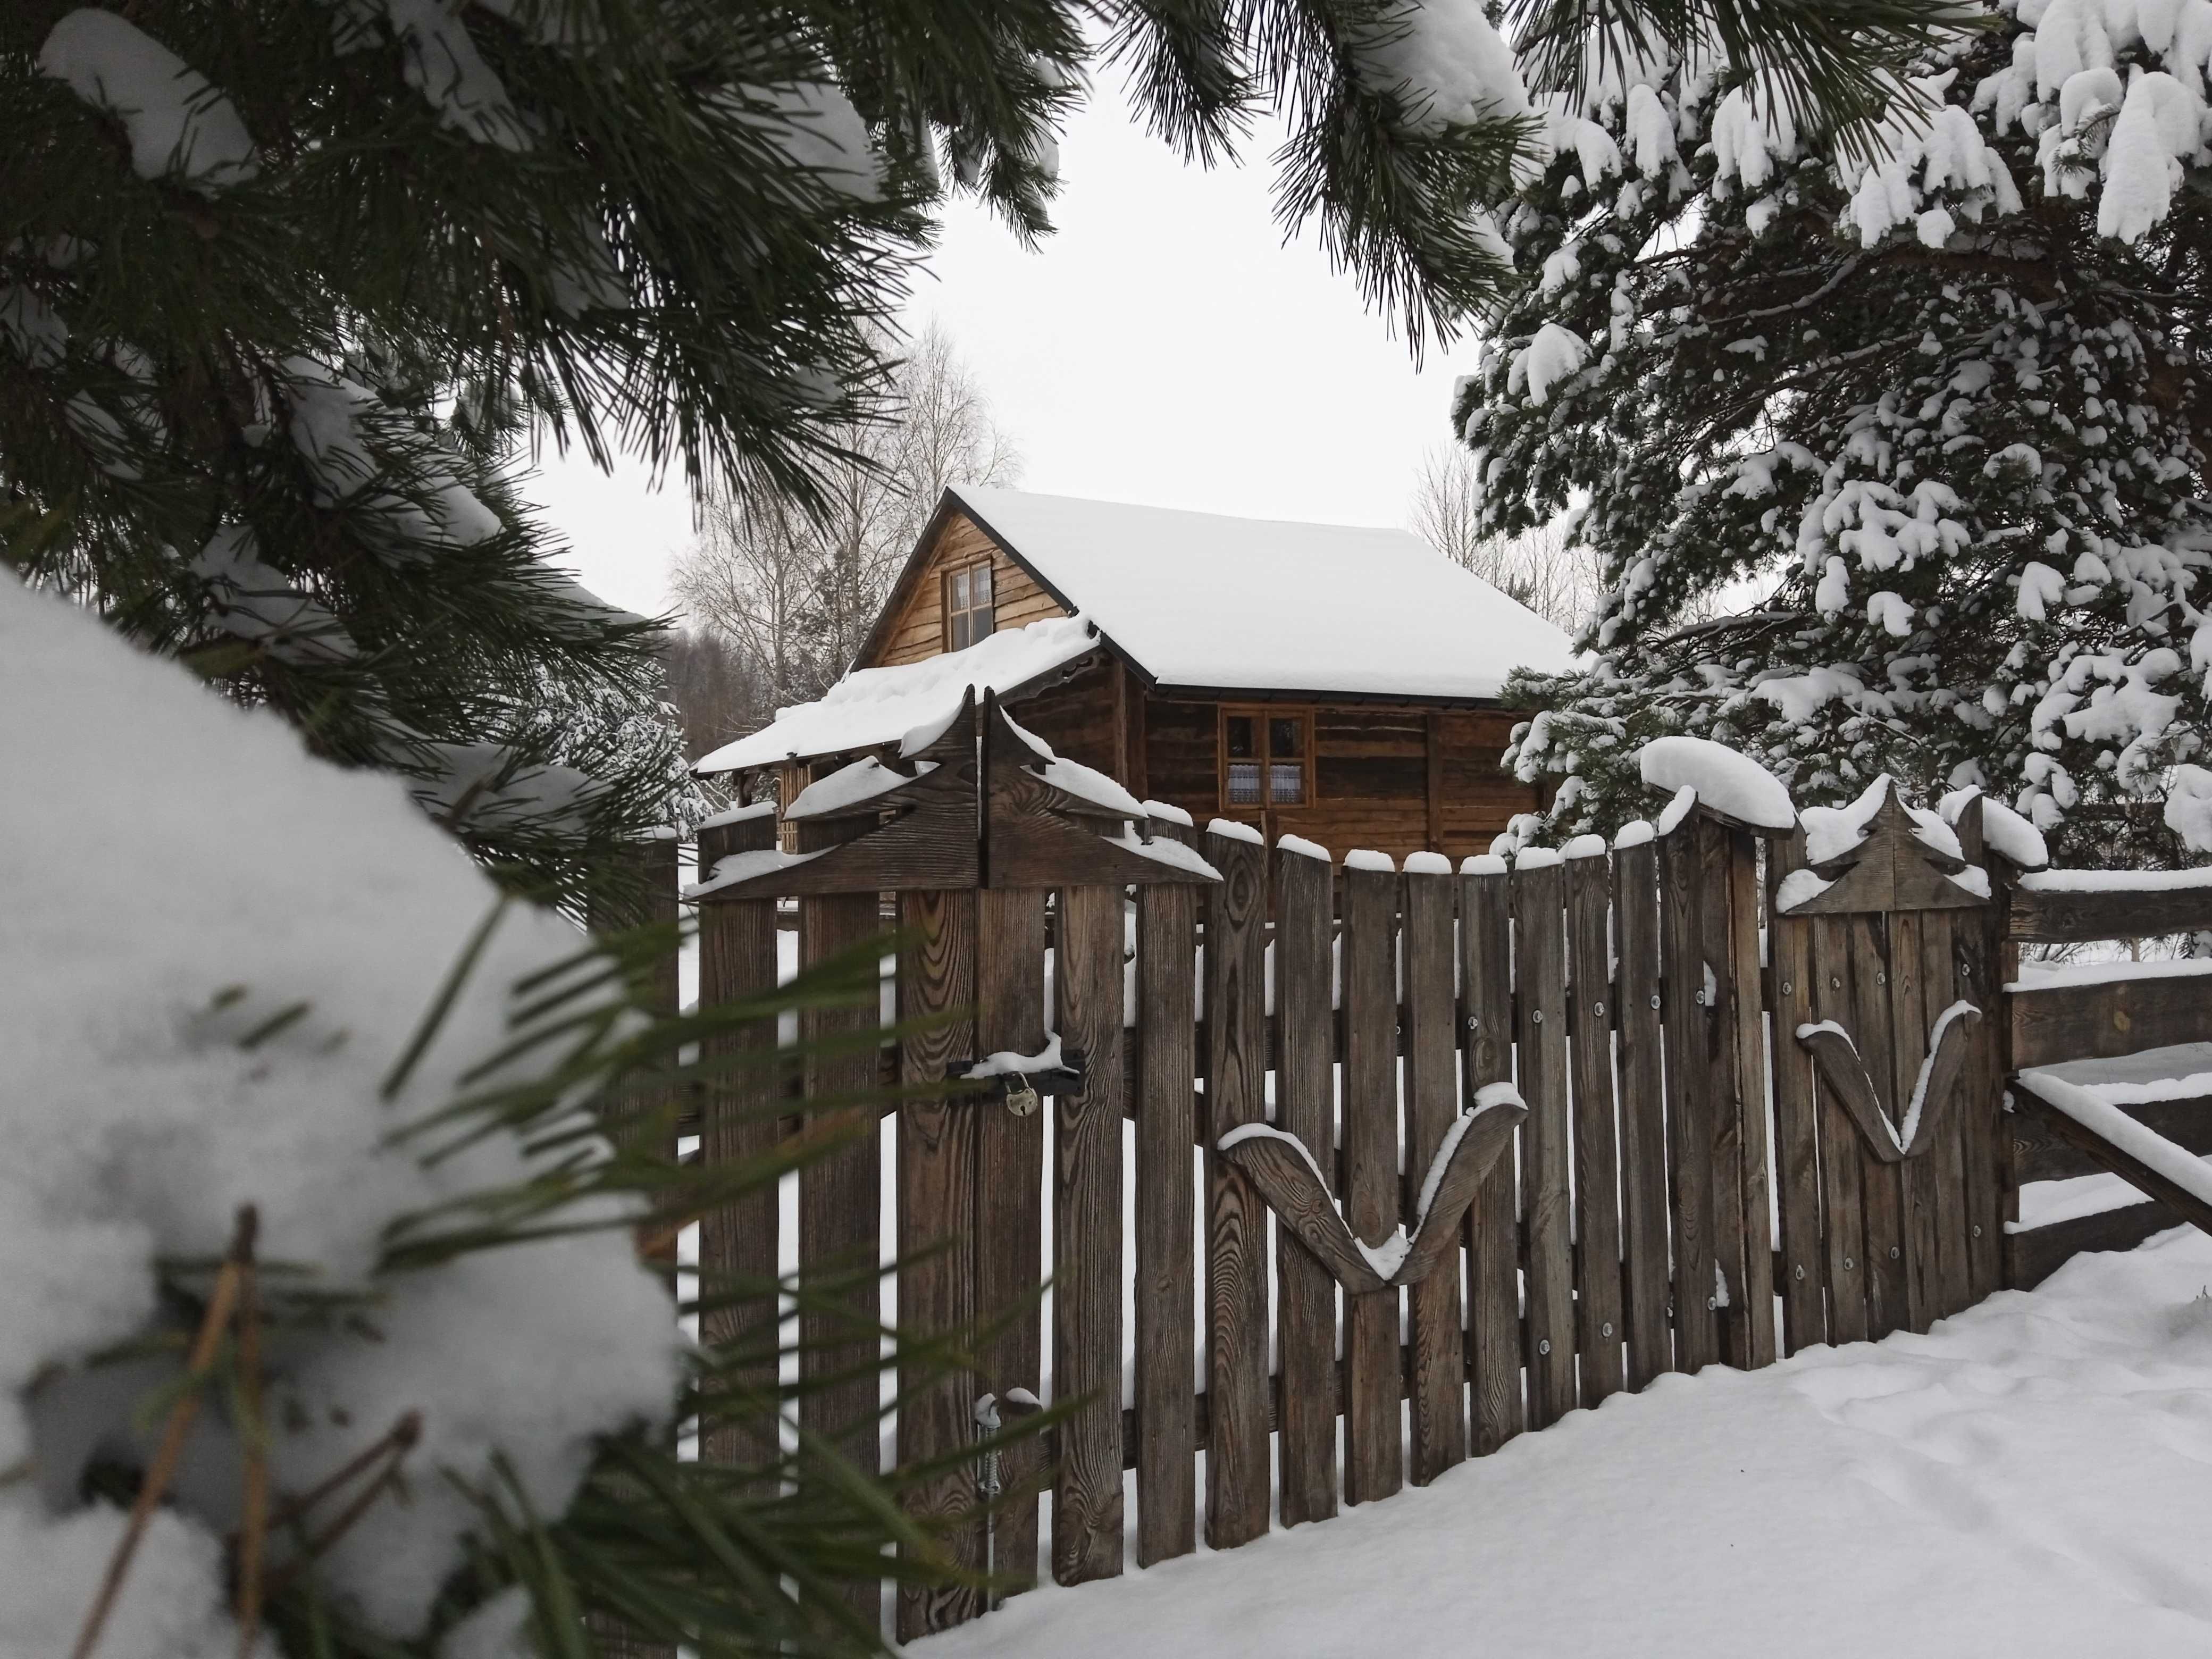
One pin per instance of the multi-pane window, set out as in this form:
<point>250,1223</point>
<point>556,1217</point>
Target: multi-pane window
<point>1264,757</point>
<point>969,611</point>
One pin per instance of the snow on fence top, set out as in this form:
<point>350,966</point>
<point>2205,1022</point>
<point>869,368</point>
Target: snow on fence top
<point>874,706</point>
<point>1726,781</point>
<point>1317,608</point>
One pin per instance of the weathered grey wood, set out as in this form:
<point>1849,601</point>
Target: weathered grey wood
<point>1305,1106</point>
<point>2042,915</point>
<point>1716,881</point>
<point>1797,1123</point>
<point>1086,1272</point>
<point>1010,1268</point>
<point>2032,1257</point>
<point>1289,1180</point>
<point>1842,1177</point>
<point>1373,1463</point>
<point>1037,835</point>
<point>1975,939</point>
<point>1600,1333</point>
<point>2043,1155</point>
<point>1753,1089</point>
<point>1645,1218</point>
<point>1166,1299</point>
<point>1540,949</point>
<point>1237,1464</point>
<point>1438,1393</point>
<point>937,1199</point>
<point>1689,1096</point>
<point>1938,987</point>
<point>839,1197</point>
<point>2103,1021</point>
<point>1908,1046</point>
<point>1891,869</point>
<point>737,1242</point>
<point>1492,1230</point>
<point>1882,1187</point>
<point>2146,1178</point>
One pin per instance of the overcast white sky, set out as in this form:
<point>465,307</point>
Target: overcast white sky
<point>1164,346</point>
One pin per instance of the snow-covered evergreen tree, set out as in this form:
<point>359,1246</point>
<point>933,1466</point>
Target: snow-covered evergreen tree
<point>1922,413</point>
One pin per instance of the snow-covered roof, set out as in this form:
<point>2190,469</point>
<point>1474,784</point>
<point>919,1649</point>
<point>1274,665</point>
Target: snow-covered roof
<point>874,706</point>
<point>1201,601</point>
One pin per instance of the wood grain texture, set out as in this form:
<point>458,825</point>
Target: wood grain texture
<point>1493,1224</point>
<point>1010,1208</point>
<point>2145,1178</point>
<point>1436,1325</point>
<point>1754,1324</point>
<point>2032,1257</point>
<point>743,1097</point>
<point>1797,1124</point>
<point>1373,1464</point>
<point>1237,1466</point>
<point>937,1198</point>
<point>1976,940</point>
<point>1643,1187</point>
<point>1540,949</point>
<point>1086,1272</point>
<point>1166,1299</point>
<point>1305,1106</point>
<point>1916,1176</point>
<point>1689,1095</point>
<point>2102,1022</point>
<point>1882,1188</point>
<point>1842,1198</point>
<point>2062,918</point>
<point>840,1199</point>
<point>1938,990</point>
<point>2043,1156</point>
<point>1716,880</point>
<point>1600,1323</point>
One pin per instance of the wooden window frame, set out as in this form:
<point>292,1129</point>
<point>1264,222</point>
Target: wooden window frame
<point>945,611</point>
<point>1261,712</point>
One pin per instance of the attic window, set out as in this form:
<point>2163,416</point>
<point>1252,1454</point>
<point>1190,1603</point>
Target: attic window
<point>969,613</point>
<point>1266,755</point>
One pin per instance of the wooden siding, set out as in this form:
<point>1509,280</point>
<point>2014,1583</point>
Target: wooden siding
<point>1076,717</point>
<point>917,632</point>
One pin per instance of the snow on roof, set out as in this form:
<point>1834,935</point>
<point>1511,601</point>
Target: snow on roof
<point>1197,599</point>
<point>872,706</point>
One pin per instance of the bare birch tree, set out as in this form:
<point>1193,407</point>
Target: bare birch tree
<point>1541,569</point>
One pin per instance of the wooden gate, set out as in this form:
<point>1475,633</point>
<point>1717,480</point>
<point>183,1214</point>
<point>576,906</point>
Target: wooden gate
<point>1555,1122</point>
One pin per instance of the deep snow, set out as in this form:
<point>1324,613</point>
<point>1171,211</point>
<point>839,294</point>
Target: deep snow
<point>2028,1479</point>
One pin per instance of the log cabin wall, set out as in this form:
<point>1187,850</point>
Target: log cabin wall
<point>917,629</point>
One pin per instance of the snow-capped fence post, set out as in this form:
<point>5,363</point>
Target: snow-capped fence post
<point>1438,1361</point>
<point>1305,1106</point>
<point>1539,946</point>
<point>738,959</point>
<point>1166,1244</point>
<point>1237,1464</point>
<point>1373,1452</point>
<point>1601,1327</point>
<point>1493,1224</point>
<point>937,1168</point>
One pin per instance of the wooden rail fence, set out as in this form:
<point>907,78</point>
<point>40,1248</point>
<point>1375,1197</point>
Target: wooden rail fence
<point>1525,1136</point>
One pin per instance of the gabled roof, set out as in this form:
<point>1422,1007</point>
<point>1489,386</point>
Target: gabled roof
<point>1198,602</point>
<point>1194,602</point>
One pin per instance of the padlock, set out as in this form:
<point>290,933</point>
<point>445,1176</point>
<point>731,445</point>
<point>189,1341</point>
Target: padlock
<point>1021,1099</point>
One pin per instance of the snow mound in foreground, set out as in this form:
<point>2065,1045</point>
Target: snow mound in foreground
<point>178,873</point>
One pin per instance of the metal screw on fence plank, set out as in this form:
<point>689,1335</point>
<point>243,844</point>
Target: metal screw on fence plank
<point>1847,1264</point>
<point>1606,1329</point>
<point>1712,1305</point>
<point>1598,1009</point>
<point>1835,983</point>
<point>1785,987</point>
<point>1894,1253</point>
<point>1536,1015</point>
<point>1977,1230</point>
<point>1654,999</point>
<point>1543,1345</point>
<point>1799,1270</point>
<point>1879,977</point>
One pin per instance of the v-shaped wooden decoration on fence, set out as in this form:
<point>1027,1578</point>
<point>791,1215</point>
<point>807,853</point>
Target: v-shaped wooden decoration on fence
<point>1284,1170</point>
<point>1844,1071</point>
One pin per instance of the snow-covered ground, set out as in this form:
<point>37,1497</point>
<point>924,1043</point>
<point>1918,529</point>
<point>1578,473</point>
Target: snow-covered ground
<point>2033,1477</point>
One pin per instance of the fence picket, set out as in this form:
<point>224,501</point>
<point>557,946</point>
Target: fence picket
<point>1600,1326</point>
<point>1493,1224</point>
<point>1881,1185</point>
<point>1087,1255</point>
<point>1010,1194</point>
<point>1237,1472</point>
<point>1975,944</point>
<point>1842,1170</point>
<point>1438,1383</point>
<point>1540,951</point>
<point>1305,1106</point>
<point>1644,1210</point>
<point>1938,981</point>
<point>1373,1463</point>
<point>1753,1325</point>
<point>937,1169</point>
<point>1908,1034</point>
<point>1796,1132</point>
<point>1689,1096</point>
<point>1166,1301</point>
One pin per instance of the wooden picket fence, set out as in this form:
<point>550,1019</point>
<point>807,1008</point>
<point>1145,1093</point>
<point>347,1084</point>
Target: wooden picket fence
<point>1689,1184</point>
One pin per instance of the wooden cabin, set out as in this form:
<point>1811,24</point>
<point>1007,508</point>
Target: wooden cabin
<point>1334,682</point>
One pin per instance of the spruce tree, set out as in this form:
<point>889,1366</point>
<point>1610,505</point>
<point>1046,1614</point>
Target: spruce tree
<point>1889,449</point>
